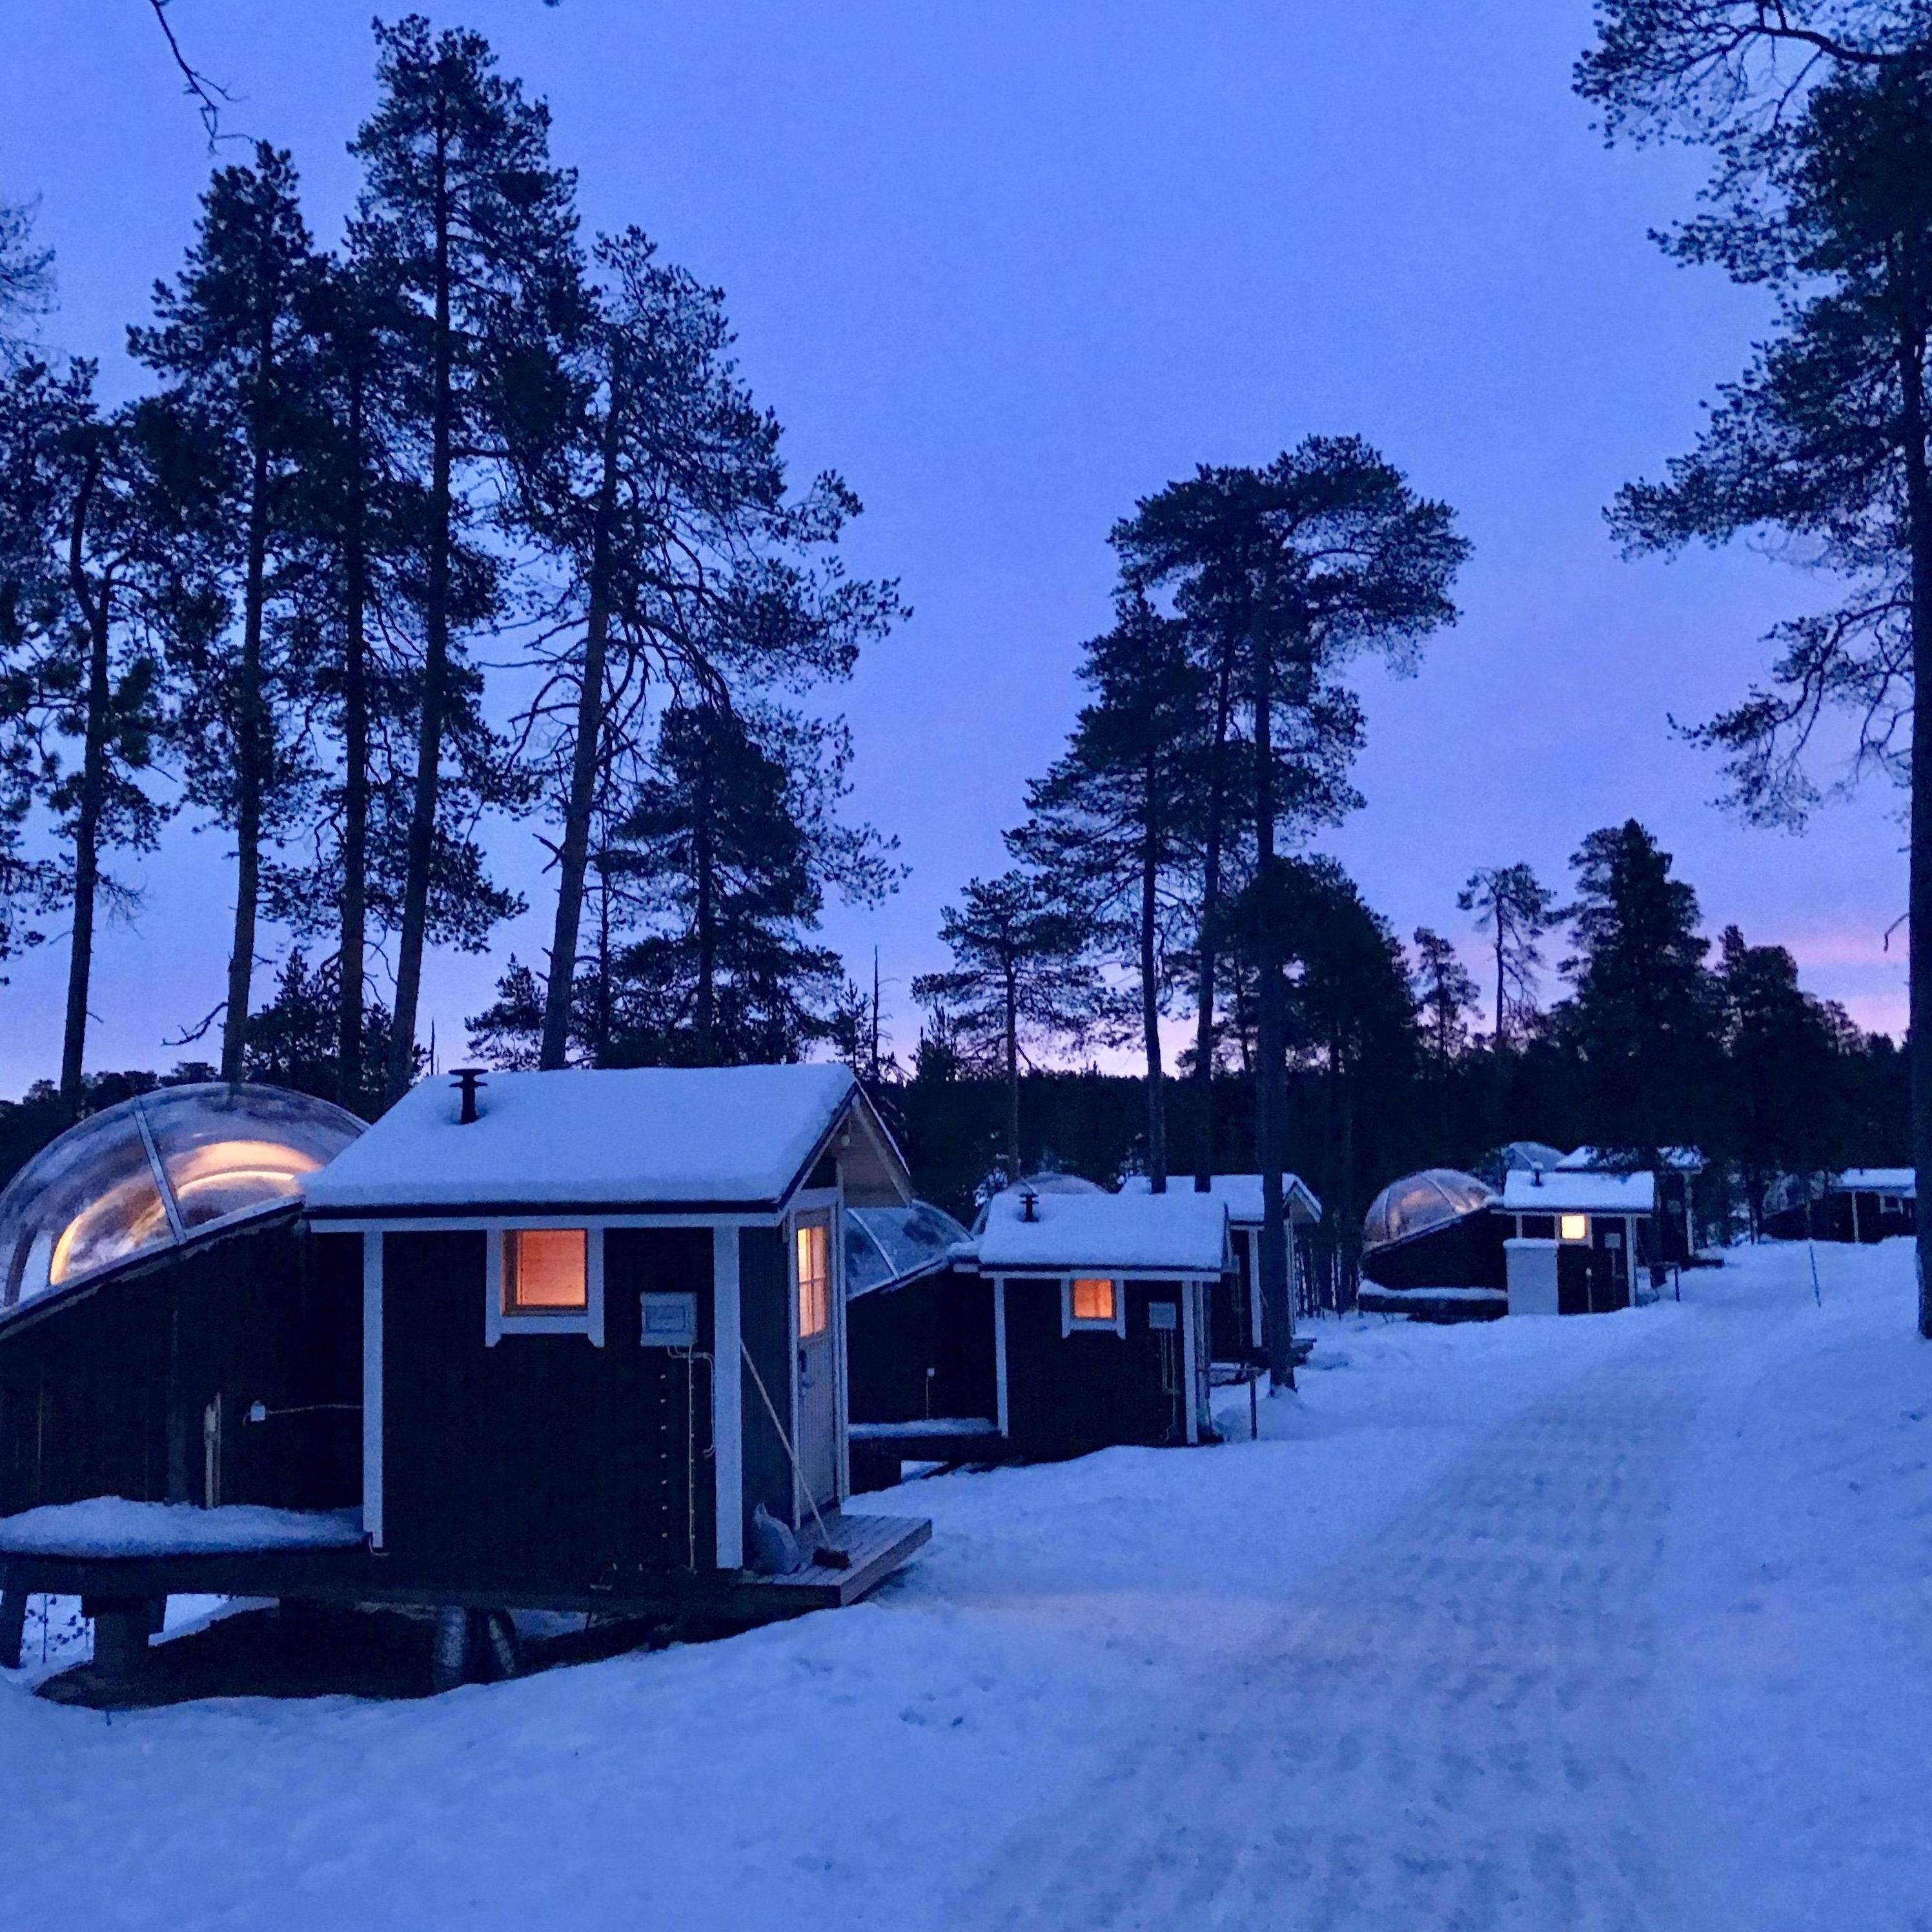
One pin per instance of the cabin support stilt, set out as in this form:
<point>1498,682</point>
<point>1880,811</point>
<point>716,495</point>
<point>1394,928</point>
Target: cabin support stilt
<point>12,1627</point>
<point>122,1626</point>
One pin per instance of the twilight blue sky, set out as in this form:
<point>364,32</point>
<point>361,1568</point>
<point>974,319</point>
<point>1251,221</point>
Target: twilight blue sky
<point>1009,266</point>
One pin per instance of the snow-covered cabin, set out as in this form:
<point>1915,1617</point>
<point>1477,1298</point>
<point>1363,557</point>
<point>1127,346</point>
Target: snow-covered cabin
<point>1100,1315</point>
<point>1862,1205</point>
<point>1676,1170</point>
<point>604,1318</point>
<point>1234,1312</point>
<point>1580,1241</point>
<point>576,1340</point>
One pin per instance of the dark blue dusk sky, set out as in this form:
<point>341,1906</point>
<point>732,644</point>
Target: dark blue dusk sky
<point>1009,266</point>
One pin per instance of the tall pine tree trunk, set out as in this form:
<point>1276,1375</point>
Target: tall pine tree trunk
<point>98,609</point>
<point>1271,1032</point>
<point>1919,513</point>
<point>250,775</point>
<point>707,908</point>
<point>1156,1097</point>
<point>1498,911</point>
<point>574,854</point>
<point>1211,913</point>
<point>354,951</point>
<point>421,848</point>
<point>1013,1045</point>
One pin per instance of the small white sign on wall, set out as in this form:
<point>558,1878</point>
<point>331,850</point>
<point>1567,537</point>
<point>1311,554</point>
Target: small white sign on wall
<point>1163,1314</point>
<point>669,1322</point>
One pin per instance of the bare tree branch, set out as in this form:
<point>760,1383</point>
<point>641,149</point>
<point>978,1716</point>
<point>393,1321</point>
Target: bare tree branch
<point>209,96</point>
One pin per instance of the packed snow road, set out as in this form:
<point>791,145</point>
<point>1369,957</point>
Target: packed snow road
<point>1619,1623</point>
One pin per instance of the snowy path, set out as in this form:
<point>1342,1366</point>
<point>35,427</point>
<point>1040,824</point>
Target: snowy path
<point>1444,1732</point>
<point>1524,1703</point>
<point>1619,1624</point>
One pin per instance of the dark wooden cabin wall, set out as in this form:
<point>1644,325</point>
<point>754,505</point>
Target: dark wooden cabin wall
<point>545,1457</point>
<point>1068,1395</point>
<point>764,1321</point>
<point>944,1322</point>
<point>1464,1253</point>
<point>104,1393</point>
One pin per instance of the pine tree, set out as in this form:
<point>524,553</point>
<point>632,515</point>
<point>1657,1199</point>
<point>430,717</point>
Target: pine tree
<point>232,336</point>
<point>1818,116</point>
<point>1447,996</point>
<point>1785,1080</point>
<point>26,282</point>
<point>107,507</point>
<point>464,214</point>
<point>358,607</point>
<point>660,491</point>
<point>36,412</point>
<point>1515,909</point>
<point>1298,567</point>
<point>1022,975</point>
<point>295,1040</point>
<point>1109,828</point>
<point>1642,1019</point>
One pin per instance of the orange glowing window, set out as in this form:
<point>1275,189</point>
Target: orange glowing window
<point>1575,1227</point>
<point>1094,1300</point>
<point>814,1280</point>
<point>546,1271</point>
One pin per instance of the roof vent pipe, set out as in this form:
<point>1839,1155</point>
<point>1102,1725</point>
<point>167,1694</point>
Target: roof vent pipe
<point>468,1079</point>
<point>1536,1177</point>
<point>1029,1205</point>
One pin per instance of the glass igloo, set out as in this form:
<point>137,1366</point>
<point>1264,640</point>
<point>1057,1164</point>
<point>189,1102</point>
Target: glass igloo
<point>155,1172</point>
<point>1418,1202</point>
<point>883,1244</point>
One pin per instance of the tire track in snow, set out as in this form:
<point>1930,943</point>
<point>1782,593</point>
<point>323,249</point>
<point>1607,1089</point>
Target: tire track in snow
<point>1448,1731</point>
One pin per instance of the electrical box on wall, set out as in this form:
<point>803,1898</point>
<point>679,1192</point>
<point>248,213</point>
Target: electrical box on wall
<point>1163,1314</point>
<point>669,1322</point>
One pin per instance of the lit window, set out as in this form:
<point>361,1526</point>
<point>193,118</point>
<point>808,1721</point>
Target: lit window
<point>546,1271</point>
<point>1093,1301</point>
<point>1575,1227</point>
<point>814,1280</point>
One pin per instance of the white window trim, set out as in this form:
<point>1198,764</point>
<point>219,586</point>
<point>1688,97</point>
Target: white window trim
<point>497,1324</point>
<point>1069,1326</point>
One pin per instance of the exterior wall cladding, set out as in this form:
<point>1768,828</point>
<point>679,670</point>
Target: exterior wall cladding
<point>140,1384</point>
<point>546,1458</point>
<point>1068,1395</point>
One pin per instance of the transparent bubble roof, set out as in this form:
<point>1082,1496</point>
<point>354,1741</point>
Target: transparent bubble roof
<point>1418,1202</point>
<point>883,1244</point>
<point>155,1171</point>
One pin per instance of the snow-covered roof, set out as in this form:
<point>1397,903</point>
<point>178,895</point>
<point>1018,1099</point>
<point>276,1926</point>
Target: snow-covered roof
<point>654,1136</point>
<point>1243,1194</point>
<point>1161,1235</point>
<point>887,1245</point>
<point>1570,1192</point>
<point>1901,1181</point>
<point>1678,1159</point>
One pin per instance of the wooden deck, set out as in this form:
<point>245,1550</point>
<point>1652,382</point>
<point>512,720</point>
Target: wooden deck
<point>875,1546</point>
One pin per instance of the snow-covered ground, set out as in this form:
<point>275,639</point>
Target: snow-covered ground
<point>1623,1622</point>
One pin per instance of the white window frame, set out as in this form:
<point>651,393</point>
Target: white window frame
<point>589,1322</point>
<point>1069,1325</point>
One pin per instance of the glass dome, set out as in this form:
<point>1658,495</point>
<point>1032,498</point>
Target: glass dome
<point>1418,1202</point>
<point>883,1243</point>
<point>155,1170</point>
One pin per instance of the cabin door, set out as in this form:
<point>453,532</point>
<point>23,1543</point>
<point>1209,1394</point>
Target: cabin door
<point>813,1284</point>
